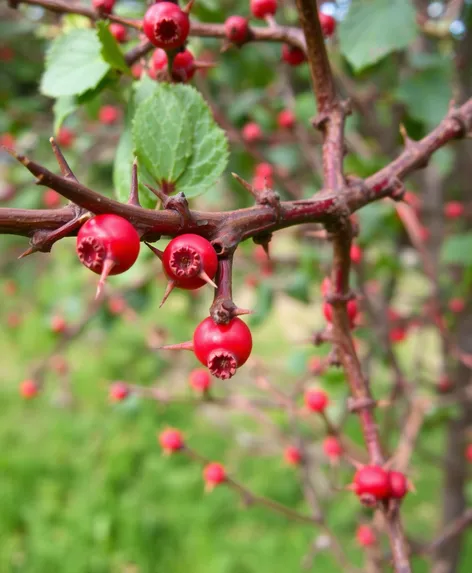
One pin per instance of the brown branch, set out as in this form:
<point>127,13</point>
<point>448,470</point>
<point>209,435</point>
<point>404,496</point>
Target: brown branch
<point>452,529</point>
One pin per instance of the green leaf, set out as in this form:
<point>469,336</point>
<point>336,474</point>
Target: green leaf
<point>299,288</point>
<point>73,64</point>
<point>375,28</point>
<point>178,141</point>
<point>110,50</point>
<point>264,304</point>
<point>63,107</point>
<point>457,249</point>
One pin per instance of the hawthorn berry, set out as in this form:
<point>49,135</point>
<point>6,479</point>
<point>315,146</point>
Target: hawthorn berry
<point>200,380</point>
<point>328,24</point>
<point>265,170</point>
<point>252,132</point>
<point>166,25</point>
<point>183,66</point>
<point>118,392</point>
<point>105,6</point>
<point>468,453</point>
<point>117,305</point>
<point>51,199</point>
<point>107,245</point>
<point>262,8</point>
<point>456,305</point>
<point>237,29</point>
<point>454,210</point>
<point>286,119</point>
<point>365,536</point>
<point>65,137</point>
<point>332,448</point>
<point>316,400</point>
<point>58,324</point>
<point>356,254</point>
<point>397,334</point>
<point>292,455</point>
<point>214,474</point>
<point>119,32</point>
<point>158,60</point>
<point>171,440</point>
<point>29,389</point>
<point>7,140</point>
<point>222,348</point>
<point>445,384</point>
<point>108,114</point>
<point>398,484</point>
<point>351,308</point>
<point>292,55</point>
<point>371,483</point>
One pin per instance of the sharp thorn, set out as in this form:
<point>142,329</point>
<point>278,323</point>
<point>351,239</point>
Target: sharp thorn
<point>242,311</point>
<point>245,184</point>
<point>61,160</point>
<point>29,251</point>
<point>169,289</point>
<point>157,252</point>
<point>107,267</point>
<point>134,191</point>
<point>181,346</point>
<point>188,7</point>
<point>207,279</point>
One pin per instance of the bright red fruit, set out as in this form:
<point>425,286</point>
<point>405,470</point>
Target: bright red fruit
<point>454,210</point>
<point>107,245</point>
<point>264,170</point>
<point>351,311</point>
<point>119,32</point>
<point>65,137</point>
<point>214,474</point>
<point>445,384</point>
<point>365,536</point>
<point>356,254</point>
<point>456,305</point>
<point>261,183</point>
<point>398,485</point>
<point>397,334</point>
<point>316,400</point>
<point>166,25</point>
<point>108,114</point>
<point>372,482</point>
<point>183,66</point>
<point>117,305</point>
<point>286,119</point>
<point>29,389</point>
<point>293,455</point>
<point>106,6</point>
<point>237,29</point>
<point>158,60</point>
<point>171,440</point>
<point>332,447</point>
<point>252,132</point>
<point>58,324</point>
<point>222,348</point>
<point>7,140</point>
<point>328,24</point>
<point>292,55</point>
<point>262,8</point>
<point>468,453</point>
<point>51,199</point>
<point>200,380</point>
<point>118,392</point>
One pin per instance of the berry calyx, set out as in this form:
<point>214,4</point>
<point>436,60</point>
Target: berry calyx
<point>292,455</point>
<point>237,29</point>
<point>107,245</point>
<point>65,137</point>
<point>119,32</point>
<point>316,400</point>
<point>108,114</point>
<point>166,25</point>
<point>118,392</point>
<point>51,199</point>
<point>332,448</point>
<point>200,380</point>
<point>252,132</point>
<point>29,389</point>
<point>328,24</point>
<point>222,348</point>
<point>262,8</point>
<point>399,486</point>
<point>453,210</point>
<point>214,474</point>
<point>286,119</point>
<point>292,55</point>
<point>171,440</point>
<point>371,483</point>
<point>365,536</point>
<point>104,6</point>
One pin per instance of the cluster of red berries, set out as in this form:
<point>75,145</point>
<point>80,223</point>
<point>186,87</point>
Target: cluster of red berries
<point>373,483</point>
<point>352,310</point>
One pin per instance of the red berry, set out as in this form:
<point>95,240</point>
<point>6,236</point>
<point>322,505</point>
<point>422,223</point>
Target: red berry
<point>261,183</point>
<point>424,234</point>
<point>316,400</point>
<point>292,455</point>
<point>51,199</point>
<point>222,348</point>
<point>468,453</point>
<point>214,474</point>
<point>456,305</point>
<point>166,25</point>
<point>137,70</point>
<point>116,305</point>
<point>7,140</point>
<point>326,286</point>
<point>328,24</point>
<point>393,315</point>
<point>262,8</point>
<point>105,6</point>
<point>332,448</point>
<point>118,392</point>
<point>264,170</point>
<point>314,365</point>
<point>58,324</point>
<point>398,485</point>
<point>252,132</point>
<point>29,389</point>
<point>200,380</point>
<point>365,536</point>
<point>397,334</point>
<point>159,60</point>
<point>7,192</point>
<point>65,137</point>
<point>171,440</point>
<point>183,67</point>
<point>119,32</point>
<point>445,384</point>
<point>292,55</point>
<point>108,114</point>
<point>356,254</point>
<point>107,245</point>
<point>10,288</point>
<point>372,482</point>
<point>237,29</point>
<point>286,119</point>
<point>454,210</point>
<point>187,258</point>
<point>351,311</point>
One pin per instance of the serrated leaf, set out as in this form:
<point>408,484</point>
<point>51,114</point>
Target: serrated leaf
<point>73,64</point>
<point>177,139</point>
<point>375,28</point>
<point>62,108</point>
<point>457,249</point>
<point>110,50</point>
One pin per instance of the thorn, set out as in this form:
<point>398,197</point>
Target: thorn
<point>157,252</point>
<point>245,184</point>
<point>406,139</point>
<point>181,346</point>
<point>29,251</point>
<point>189,6</point>
<point>61,160</point>
<point>242,311</point>
<point>411,486</point>
<point>169,289</point>
<point>134,191</point>
<point>207,279</point>
<point>107,267</point>
<point>199,65</point>
<point>158,193</point>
